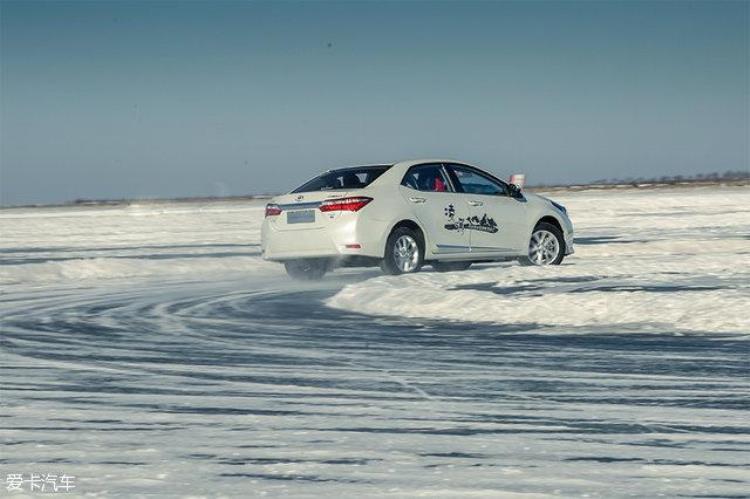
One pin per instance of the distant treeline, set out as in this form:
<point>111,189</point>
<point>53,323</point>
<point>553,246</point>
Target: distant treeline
<point>185,199</point>
<point>700,178</point>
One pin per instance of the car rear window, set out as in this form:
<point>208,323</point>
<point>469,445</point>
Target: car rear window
<point>357,177</point>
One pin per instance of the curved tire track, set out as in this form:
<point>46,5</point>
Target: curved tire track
<point>226,388</point>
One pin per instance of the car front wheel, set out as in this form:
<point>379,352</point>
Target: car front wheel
<point>546,246</point>
<point>403,252</point>
<point>307,269</point>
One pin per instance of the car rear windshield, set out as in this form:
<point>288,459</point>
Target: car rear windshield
<point>357,177</point>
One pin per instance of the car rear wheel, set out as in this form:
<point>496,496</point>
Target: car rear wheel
<point>307,269</point>
<point>403,252</point>
<point>450,266</point>
<point>546,246</point>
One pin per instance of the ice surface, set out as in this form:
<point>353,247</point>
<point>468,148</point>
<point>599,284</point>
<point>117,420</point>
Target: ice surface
<point>661,261</point>
<point>149,351</point>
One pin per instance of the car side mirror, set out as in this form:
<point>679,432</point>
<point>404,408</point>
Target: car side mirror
<point>515,191</point>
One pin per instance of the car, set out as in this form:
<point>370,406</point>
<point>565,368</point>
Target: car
<point>402,216</point>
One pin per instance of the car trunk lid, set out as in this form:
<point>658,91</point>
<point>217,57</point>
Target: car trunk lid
<point>302,211</point>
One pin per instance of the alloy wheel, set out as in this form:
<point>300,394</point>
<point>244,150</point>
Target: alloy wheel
<point>543,247</point>
<point>406,253</point>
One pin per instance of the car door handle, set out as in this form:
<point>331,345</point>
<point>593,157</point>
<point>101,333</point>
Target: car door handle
<point>417,200</point>
<point>475,203</point>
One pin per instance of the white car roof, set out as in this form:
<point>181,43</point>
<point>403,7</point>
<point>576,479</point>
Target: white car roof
<point>396,172</point>
<point>412,162</point>
<point>404,163</point>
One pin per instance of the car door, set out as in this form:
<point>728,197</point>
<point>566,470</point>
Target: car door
<point>428,191</point>
<point>497,223</point>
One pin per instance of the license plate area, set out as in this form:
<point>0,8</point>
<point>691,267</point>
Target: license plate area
<point>300,217</point>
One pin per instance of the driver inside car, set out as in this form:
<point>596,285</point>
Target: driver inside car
<point>431,181</point>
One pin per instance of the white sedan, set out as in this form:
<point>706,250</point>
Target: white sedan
<point>439,212</point>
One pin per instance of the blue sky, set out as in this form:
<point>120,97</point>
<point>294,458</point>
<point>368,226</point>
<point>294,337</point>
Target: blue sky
<point>115,99</point>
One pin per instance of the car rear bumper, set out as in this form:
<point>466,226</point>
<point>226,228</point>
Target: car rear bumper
<point>285,245</point>
<point>345,238</point>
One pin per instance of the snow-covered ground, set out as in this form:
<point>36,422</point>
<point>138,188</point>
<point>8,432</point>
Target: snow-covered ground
<point>661,261</point>
<point>41,246</point>
<point>149,350</point>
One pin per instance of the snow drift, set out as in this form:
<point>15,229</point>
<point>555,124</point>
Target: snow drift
<point>662,261</point>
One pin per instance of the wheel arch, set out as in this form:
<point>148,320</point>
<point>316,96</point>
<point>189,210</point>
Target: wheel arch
<point>413,225</point>
<point>552,221</point>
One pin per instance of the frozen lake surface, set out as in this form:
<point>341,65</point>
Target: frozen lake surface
<point>148,350</point>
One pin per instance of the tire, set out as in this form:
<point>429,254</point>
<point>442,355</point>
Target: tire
<point>404,252</point>
<point>307,269</point>
<point>450,266</point>
<point>546,246</point>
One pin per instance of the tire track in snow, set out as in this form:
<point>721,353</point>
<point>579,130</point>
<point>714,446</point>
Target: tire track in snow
<point>230,387</point>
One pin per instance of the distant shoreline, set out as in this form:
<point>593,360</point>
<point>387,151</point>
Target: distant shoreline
<point>687,184</point>
<point>136,201</point>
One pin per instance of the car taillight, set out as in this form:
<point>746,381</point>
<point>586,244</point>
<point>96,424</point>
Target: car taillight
<point>272,210</point>
<point>345,204</point>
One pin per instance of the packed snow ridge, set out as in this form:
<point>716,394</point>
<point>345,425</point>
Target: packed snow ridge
<point>659,261</point>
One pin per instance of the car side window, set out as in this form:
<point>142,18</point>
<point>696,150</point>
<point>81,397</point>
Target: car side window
<point>472,181</point>
<point>426,178</point>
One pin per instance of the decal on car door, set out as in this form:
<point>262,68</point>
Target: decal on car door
<point>484,224</point>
